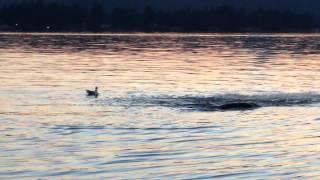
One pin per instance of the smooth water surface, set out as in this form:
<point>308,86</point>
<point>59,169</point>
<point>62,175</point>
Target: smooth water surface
<point>149,120</point>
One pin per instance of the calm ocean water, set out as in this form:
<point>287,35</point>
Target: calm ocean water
<point>149,120</point>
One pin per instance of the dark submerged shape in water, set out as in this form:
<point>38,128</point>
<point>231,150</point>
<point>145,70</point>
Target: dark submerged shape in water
<point>94,93</point>
<point>236,106</point>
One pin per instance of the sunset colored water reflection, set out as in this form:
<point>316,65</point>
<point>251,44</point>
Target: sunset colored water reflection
<point>142,125</point>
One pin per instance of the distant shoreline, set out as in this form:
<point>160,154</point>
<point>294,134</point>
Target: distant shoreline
<point>41,16</point>
<point>159,32</point>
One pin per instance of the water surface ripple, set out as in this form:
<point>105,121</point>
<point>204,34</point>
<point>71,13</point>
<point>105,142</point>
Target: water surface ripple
<point>148,122</point>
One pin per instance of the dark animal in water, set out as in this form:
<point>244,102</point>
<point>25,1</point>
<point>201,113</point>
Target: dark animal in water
<point>93,93</point>
<point>238,106</point>
<point>235,106</point>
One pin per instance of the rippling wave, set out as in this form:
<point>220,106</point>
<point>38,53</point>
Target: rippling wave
<point>154,118</point>
<point>201,102</point>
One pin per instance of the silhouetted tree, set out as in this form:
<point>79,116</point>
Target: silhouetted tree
<point>96,16</point>
<point>148,18</point>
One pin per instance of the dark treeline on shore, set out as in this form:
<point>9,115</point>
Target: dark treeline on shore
<point>43,16</point>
